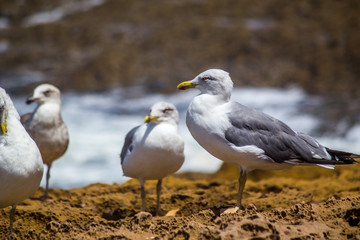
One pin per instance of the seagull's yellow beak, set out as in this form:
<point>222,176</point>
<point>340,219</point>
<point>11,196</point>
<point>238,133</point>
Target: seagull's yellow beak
<point>150,118</point>
<point>3,124</point>
<point>3,128</point>
<point>185,85</point>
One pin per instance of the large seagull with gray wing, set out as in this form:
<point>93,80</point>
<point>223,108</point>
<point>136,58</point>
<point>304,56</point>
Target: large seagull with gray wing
<point>251,139</point>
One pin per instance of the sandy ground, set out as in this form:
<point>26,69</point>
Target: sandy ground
<point>300,203</point>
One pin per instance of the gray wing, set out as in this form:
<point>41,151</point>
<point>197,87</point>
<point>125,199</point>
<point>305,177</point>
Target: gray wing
<point>279,141</point>
<point>127,144</point>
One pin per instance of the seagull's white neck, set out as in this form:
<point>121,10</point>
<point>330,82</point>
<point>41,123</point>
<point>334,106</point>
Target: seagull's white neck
<point>213,99</point>
<point>171,122</point>
<point>48,112</point>
<point>203,104</point>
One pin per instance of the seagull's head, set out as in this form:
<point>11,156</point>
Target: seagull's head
<point>45,93</point>
<point>162,112</point>
<point>212,81</point>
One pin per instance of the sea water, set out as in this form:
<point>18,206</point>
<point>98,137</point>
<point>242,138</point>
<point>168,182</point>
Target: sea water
<point>98,123</point>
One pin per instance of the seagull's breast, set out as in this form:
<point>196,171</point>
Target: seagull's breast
<point>49,132</point>
<point>156,153</point>
<point>207,123</point>
<point>21,165</point>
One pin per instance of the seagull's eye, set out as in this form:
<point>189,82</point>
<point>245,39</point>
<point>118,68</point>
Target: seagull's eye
<point>167,110</point>
<point>47,93</point>
<point>205,78</point>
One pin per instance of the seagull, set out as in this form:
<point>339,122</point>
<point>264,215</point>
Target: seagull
<point>154,149</point>
<point>246,137</point>
<point>21,166</point>
<point>46,127</point>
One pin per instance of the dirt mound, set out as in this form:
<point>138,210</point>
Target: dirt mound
<point>300,203</point>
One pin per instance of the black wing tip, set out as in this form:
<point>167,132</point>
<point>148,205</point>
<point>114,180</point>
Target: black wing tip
<point>343,157</point>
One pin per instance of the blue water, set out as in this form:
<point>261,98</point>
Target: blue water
<point>98,124</point>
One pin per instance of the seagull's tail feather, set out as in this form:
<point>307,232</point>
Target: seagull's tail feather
<point>339,157</point>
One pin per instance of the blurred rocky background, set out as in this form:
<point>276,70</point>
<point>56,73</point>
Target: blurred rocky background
<point>96,45</point>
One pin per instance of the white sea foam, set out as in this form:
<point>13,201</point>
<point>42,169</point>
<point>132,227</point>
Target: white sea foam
<point>98,123</point>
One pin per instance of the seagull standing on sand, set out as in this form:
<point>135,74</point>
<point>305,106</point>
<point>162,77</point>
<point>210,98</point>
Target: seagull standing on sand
<point>46,127</point>
<point>154,149</point>
<point>251,139</point>
<point>21,166</point>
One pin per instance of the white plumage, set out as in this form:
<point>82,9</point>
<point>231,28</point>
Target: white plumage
<point>154,149</point>
<point>21,166</point>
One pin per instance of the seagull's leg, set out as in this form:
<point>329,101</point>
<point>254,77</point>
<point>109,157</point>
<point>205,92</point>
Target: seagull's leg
<point>46,193</point>
<point>142,187</point>
<point>12,218</point>
<point>158,192</point>
<point>242,180</point>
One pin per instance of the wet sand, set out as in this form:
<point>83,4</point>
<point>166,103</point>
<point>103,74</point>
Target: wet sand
<point>299,203</point>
